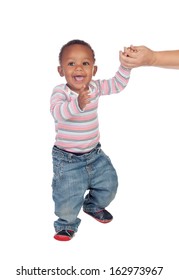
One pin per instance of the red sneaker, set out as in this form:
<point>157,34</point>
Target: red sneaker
<point>64,235</point>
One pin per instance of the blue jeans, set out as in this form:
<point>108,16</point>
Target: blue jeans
<point>73,176</point>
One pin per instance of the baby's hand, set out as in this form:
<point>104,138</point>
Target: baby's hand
<point>129,50</point>
<point>83,97</point>
<point>132,49</point>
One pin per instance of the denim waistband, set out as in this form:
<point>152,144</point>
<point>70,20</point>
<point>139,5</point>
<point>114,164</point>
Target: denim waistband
<point>70,154</point>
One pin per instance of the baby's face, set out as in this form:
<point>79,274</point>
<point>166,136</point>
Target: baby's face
<point>77,66</point>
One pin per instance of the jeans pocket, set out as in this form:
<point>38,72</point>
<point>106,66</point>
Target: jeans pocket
<point>107,158</point>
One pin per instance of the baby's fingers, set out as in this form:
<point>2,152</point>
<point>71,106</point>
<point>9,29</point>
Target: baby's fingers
<point>84,89</point>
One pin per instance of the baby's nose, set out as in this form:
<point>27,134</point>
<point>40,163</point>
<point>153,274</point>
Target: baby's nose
<point>79,68</point>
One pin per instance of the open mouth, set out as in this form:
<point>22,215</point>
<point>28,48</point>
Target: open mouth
<point>78,78</point>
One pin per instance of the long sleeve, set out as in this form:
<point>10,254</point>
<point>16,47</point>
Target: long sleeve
<point>115,84</point>
<point>63,106</point>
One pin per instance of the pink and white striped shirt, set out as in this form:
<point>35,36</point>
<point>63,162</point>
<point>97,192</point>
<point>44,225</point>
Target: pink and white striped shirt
<point>77,131</point>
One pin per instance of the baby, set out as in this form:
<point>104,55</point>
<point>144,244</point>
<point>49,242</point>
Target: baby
<point>79,163</point>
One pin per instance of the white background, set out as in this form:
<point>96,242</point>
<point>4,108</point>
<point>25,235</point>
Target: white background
<point>139,131</point>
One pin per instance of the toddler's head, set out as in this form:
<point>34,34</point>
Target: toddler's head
<point>77,64</point>
<point>75,42</point>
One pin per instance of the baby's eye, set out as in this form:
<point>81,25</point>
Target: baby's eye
<point>71,63</point>
<point>86,63</point>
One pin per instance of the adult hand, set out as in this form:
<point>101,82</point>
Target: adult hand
<point>136,56</point>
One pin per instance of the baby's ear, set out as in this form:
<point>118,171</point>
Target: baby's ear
<point>60,71</point>
<point>95,70</point>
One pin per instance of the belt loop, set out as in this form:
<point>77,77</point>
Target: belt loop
<point>98,148</point>
<point>69,157</point>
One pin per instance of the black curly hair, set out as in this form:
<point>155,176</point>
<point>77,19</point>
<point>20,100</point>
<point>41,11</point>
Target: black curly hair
<point>75,42</point>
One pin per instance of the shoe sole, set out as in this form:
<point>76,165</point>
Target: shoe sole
<point>103,221</point>
<point>62,237</point>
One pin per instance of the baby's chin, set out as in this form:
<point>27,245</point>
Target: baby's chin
<point>78,87</point>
